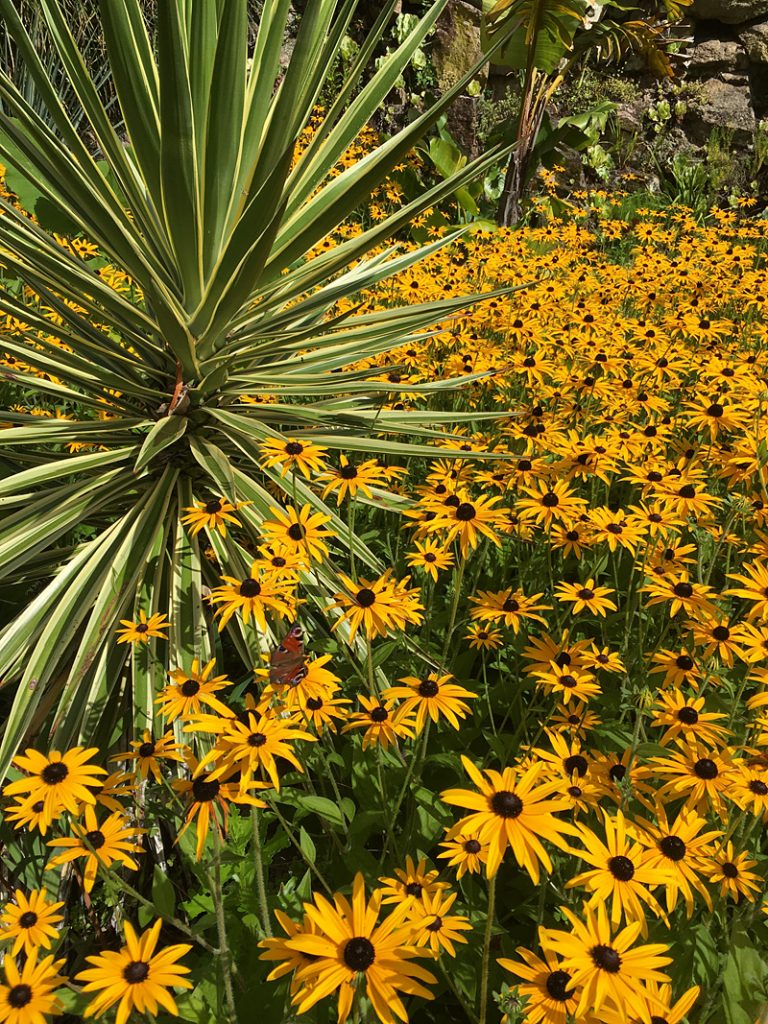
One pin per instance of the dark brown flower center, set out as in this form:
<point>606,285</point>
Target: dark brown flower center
<point>212,507</point>
<point>190,687</point>
<point>688,716</point>
<point>684,662</point>
<point>435,925</point>
<point>550,500</point>
<point>95,839</point>
<point>730,870</point>
<point>296,531</point>
<point>428,688</point>
<point>142,627</point>
<point>682,589</point>
<point>379,714</point>
<point>257,739</point>
<point>359,953</point>
<point>293,448</point>
<point>414,888</point>
<point>557,986</point>
<point>136,971</point>
<point>472,846</point>
<point>621,868</point>
<point>19,996</point>
<point>54,773</point>
<point>585,594</point>
<point>147,749</point>
<point>606,958</point>
<point>28,919</point>
<point>576,763</point>
<point>687,491</point>
<point>204,789</point>
<point>250,588</point>
<point>365,597</point>
<point>672,847</point>
<point>348,472</point>
<point>758,787</point>
<point>506,804</point>
<point>705,768</point>
<point>721,633</point>
<point>314,703</point>
<point>465,512</point>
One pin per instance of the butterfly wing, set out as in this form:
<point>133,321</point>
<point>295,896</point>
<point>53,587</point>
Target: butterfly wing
<point>287,663</point>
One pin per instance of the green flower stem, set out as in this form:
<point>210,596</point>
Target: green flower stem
<point>486,964</point>
<point>458,578</point>
<point>259,864</point>
<point>225,957</point>
<point>297,845</point>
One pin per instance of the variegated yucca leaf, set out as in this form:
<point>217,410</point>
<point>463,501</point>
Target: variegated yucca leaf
<point>204,204</point>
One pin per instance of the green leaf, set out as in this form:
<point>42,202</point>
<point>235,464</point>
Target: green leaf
<point>323,807</point>
<point>164,433</point>
<point>163,893</point>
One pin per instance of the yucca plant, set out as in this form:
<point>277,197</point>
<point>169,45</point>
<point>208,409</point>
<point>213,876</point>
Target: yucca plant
<point>205,207</point>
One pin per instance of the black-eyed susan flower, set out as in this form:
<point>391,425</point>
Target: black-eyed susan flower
<point>292,454</point>
<point>30,921</point>
<point>548,502</point>
<point>100,844</point>
<point>350,479</point>
<point>434,926</point>
<point>351,948</point>
<point>508,607</point>
<point>699,774</point>
<point>377,606</point>
<point>190,692</point>
<point>433,697</point>
<point>467,521</point>
<point>511,810</point>
<point>431,556</point>
<point>569,684</point>
<point>383,722</point>
<point>661,1006</point>
<point>678,590</point>
<point>251,743</point>
<point>484,638</point>
<point>252,597</point>
<point>136,976</point>
<point>410,884</point>
<point>730,871</point>
<point>148,754</point>
<point>30,994</point>
<point>300,531</point>
<point>213,514</point>
<point>61,780</point>
<point>549,993</point>
<point>606,968</point>
<point>207,800</point>
<point>683,849</point>
<point>687,717</point>
<point>142,631</point>
<point>465,852</point>
<point>621,872</point>
<point>753,580</point>
<point>586,597</point>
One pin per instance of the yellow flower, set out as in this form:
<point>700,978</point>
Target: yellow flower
<point>140,632</point>
<point>586,596</point>
<point>30,921</point>
<point>211,515</point>
<point>102,845</point>
<point>349,479</point>
<point>136,976</point>
<point>377,606</point>
<point>61,781</point>
<point>433,696</point>
<point>300,532</point>
<point>190,691</point>
<point>251,597</point>
<point>293,454</point>
<point>29,994</point>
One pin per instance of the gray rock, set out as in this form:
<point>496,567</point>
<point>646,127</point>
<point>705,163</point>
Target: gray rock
<point>730,12</point>
<point>456,44</point>
<point>713,55</point>
<point>755,41</point>
<point>721,105</point>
